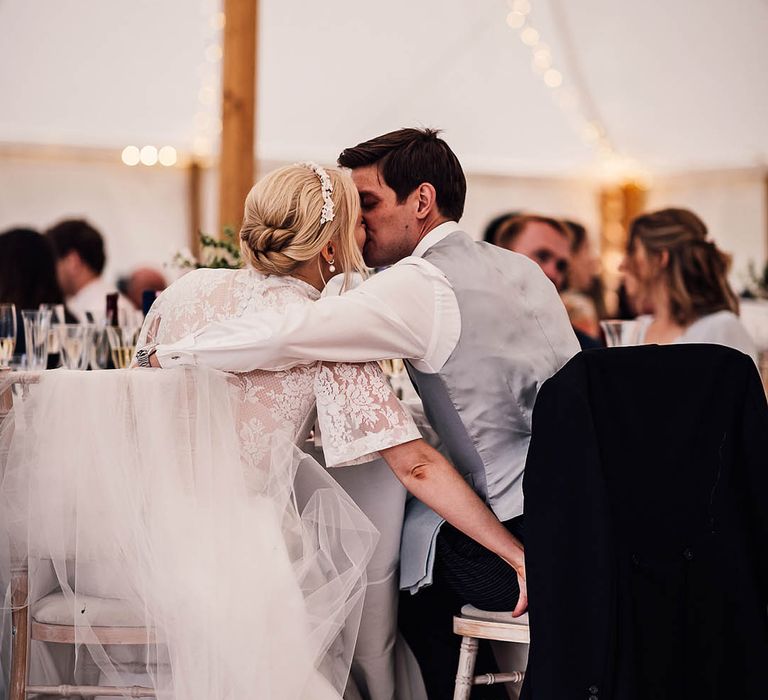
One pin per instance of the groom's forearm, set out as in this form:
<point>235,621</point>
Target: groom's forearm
<point>337,329</point>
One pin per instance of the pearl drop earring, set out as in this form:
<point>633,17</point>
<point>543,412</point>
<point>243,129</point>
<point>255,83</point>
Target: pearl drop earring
<point>331,266</point>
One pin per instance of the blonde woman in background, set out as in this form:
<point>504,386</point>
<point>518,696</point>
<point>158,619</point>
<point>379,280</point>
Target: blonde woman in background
<point>677,279</point>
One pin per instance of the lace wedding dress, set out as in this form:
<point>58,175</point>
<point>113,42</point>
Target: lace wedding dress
<point>178,500</point>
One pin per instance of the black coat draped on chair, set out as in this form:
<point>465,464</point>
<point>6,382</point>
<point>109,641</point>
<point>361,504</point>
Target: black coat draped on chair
<point>646,516</point>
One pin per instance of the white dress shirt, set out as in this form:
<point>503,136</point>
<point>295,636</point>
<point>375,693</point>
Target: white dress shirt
<point>406,311</point>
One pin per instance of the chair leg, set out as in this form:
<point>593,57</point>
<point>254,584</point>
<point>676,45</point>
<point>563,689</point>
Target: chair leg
<point>466,670</point>
<point>20,641</point>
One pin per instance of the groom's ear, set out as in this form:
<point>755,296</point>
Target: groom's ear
<point>426,200</point>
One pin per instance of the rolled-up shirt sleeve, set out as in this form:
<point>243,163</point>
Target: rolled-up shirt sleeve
<point>391,315</point>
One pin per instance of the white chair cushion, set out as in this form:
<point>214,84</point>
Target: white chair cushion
<point>473,613</point>
<point>57,609</point>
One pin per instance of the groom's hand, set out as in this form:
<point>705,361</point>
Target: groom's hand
<point>522,601</point>
<point>153,361</point>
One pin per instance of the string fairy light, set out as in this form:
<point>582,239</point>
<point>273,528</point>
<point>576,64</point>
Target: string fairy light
<point>207,120</point>
<point>567,96</point>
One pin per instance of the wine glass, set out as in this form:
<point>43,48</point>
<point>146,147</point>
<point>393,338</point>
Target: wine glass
<point>122,343</point>
<point>99,348</point>
<point>7,333</point>
<point>57,317</point>
<point>620,333</point>
<point>73,342</point>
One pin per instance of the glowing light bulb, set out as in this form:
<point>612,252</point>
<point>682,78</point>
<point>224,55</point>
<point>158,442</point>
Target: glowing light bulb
<point>201,146</point>
<point>553,78</point>
<point>213,53</point>
<point>206,95</point>
<point>542,57</point>
<point>149,155</point>
<point>515,20</point>
<point>167,156</point>
<point>529,36</point>
<point>131,155</point>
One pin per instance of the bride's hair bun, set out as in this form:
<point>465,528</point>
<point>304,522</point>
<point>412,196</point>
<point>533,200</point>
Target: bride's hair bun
<point>281,223</point>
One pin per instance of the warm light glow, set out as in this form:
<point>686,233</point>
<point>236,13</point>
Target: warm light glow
<point>542,60</point>
<point>542,57</point>
<point>553,78</point>
<point>590,132</point>
<point>529,36</point>
<point>521,6</point>
<point>219,20</point>
<point>206,95</point>
<point>131,155</point>
<point>213,53</point>
<point>167,156</point>
<point>201,146</point>
<point>149,155</point>
<point>515,20</point>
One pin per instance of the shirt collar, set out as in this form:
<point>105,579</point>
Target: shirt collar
<point>435,236</point>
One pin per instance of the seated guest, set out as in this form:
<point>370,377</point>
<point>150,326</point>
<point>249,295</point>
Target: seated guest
<point>672,272</point>
<point>547,242</point>
<point>493,226</point>
<point>28,276</point>
<point>142,279</point>
<point>583,270</point>
<point>80,260</point>
<point>581,312</point>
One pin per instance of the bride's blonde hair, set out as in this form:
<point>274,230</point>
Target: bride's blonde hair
<point>281,224</point>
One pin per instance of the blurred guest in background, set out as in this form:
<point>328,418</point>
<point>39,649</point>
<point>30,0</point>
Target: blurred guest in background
<point>548,242</point>
<point>493,226</point>
<point>142,279</point>
<point>544,240</point>
<point>80,260</point>
<point>28,276</point>
<point>679,278</point>
<point>584,269</point>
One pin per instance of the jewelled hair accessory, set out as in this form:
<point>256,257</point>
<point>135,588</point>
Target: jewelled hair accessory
<point>326,185</point>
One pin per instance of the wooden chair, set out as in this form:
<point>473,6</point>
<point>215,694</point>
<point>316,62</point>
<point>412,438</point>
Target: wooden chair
<point>474,624</point>
<point>52,618</point>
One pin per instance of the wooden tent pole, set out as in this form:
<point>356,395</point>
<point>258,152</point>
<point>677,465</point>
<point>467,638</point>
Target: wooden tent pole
<point>236,163</point>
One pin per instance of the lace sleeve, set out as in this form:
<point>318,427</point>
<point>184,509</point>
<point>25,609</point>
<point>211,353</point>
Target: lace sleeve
<point>358,413</point>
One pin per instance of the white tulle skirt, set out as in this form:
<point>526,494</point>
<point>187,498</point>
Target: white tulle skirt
<point>125,493</point>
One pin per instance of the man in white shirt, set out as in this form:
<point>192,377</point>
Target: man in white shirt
<point>480,329</point>
<point>80,260</point>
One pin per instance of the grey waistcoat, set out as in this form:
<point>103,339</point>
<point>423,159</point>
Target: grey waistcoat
<point>515,334</point>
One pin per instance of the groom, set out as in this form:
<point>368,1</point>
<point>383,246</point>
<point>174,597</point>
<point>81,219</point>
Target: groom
<point>481,329</point>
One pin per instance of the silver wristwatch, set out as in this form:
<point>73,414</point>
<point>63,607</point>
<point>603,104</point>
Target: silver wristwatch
<point>143,355</point>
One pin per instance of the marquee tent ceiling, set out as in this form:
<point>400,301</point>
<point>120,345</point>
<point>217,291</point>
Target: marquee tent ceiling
<point>675,84</point>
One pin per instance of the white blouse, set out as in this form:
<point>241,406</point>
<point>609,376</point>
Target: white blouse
<point>720,328</point>
<point>357,410</point>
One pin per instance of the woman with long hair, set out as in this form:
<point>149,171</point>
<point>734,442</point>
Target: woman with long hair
<point>677,279</point>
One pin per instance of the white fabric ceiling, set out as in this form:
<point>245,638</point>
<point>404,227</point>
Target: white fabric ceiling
<point>678,85</point>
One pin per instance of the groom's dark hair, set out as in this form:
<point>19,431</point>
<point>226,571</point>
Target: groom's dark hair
<point>409,157</point>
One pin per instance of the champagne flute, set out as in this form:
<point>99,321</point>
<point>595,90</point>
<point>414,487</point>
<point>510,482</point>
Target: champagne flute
<point>73,341</point>
<point>7,333</point>
<point>99,347</point>
<point>122,343</point>
<point>619,333</point>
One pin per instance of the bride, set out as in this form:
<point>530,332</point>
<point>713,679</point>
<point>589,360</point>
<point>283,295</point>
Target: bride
<point>183,494</point>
